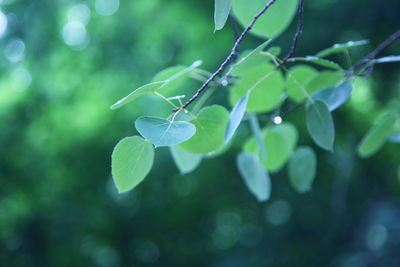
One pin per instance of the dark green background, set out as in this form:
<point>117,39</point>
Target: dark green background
<point>58,204</point>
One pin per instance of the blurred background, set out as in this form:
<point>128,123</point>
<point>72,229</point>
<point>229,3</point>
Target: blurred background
<point>64,62</point>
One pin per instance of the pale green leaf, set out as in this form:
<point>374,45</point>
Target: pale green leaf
<point>266,86</point>
<point>320,125</point>
<point>254,175</point>
<point>387,59</point>
<point>162,132</point>
<point>235,117</point>
<point>338,48</point>
<point>210,123</point>
<point>185,161</point>
<point>323,79</point>
<point>221,13</point>
<point>302,169</point>
<point>272,23</point>
<point>377,135</point>
<point>318,61</point>
<point>131,161</point>
<point>297,79</point>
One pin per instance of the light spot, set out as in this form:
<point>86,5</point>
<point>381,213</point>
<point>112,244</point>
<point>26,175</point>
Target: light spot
<point>74,34</point>
<point>22,78</point>
<point>107,7</point>
<point>15,50</point>
<point>3,24</point>
<point>80,12</point>
<point>376,237</point>
<point>278,212</point>
<point>277,120</point>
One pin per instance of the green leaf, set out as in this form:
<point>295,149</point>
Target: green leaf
<point>210,123</point>
<point>266,86</point>
<point>334,97</point>
<point>387,59</point>
<point>145,89</point>
<point>274,22</point>
<point>279,141</point>
<point>258,137</point>
<point>221,13</point>
<point>235,117</point>
<point>318,61</point>
<point>254,175</point>
<point>185,161</point>
<point>338,48</point>
<point>377,135</point>
<point>275,51</point>
<point>320,125</point>
<point>302,169</point>
<point>324,79</point>
<point>131,161</point>
<point>296,81</point>
<point>162,132</point>
<point>249,61</point>
<point>161,86</point>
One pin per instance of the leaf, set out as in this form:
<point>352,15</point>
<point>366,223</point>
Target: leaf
<point>266,85</point>
<point>334,97</point>
<point>145,89</point>
<point>258,137</point>
<point>338,48</point>
<point>235,117</point>
<point>320,125</point>
<point>296,82</point>
<point>249,61</point>
<point>221,13</point>
<point>210,123</point>
<point>377,135</point>
<point>387,59</point>
<point>254,175</point>
<point>302,169</point>
<point>131,161</point>
<point>279,141</point>
<point>324,79</point>
<point>162,132</point>
<point>158,85</point>
<point>318,61</point>
<point>274,22</point>
<point>185,161</point>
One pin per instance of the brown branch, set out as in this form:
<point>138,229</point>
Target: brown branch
<point>300,14</point>
<point>365,62</point>
<point>230,57</point>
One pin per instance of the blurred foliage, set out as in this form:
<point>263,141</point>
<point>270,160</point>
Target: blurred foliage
<point>65,62</point>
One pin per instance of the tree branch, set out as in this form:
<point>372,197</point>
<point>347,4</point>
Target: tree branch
<point>364,62</point>
<point>296,37</point>
<point>230,57</point>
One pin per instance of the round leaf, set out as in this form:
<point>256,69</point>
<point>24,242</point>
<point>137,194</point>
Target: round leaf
<point>162,132</point>
<point>131,161</point>
<point>302,169</point>
<point>210,124</point>
<point>272,23</point>
<point>297,80</point>
<point>185,161</point>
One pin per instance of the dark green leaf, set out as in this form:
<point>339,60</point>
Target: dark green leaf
<point>320,125</point>
<point>334,97</point>
<point>318,61</point>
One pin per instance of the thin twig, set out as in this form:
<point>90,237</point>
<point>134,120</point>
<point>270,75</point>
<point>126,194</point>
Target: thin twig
<point>297,35</point>
<point>364,62</point>
<point>230,57</point>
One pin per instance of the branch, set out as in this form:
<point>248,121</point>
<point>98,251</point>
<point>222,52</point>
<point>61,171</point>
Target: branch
<point>230,57</point>
<point>297,35</point>
<point>364,62</point>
